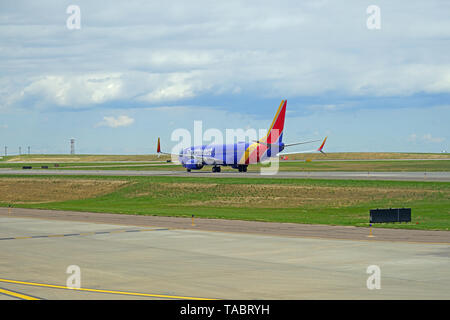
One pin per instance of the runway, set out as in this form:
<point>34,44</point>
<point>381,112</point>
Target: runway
<point>443,176</point>
<point>120,261</point>
<point>237,226</point>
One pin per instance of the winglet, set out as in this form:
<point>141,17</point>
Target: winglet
<point>158,149</point>
<point>322,145</point>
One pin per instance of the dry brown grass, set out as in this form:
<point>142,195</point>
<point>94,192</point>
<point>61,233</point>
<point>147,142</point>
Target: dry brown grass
<point>283,196</point>
<point>29,190</point>
<point>85,158</point>
<point>151,157</point>
<point>367,156</point>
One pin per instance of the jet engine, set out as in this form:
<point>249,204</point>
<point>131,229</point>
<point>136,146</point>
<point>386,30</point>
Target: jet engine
<point>193,164</point>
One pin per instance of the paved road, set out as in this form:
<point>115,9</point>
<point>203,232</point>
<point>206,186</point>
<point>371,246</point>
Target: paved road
<point>135,262</point>
<point>414,176</point>
<point>362,160</point>
<point>292,160</point>
<point>238,226</point>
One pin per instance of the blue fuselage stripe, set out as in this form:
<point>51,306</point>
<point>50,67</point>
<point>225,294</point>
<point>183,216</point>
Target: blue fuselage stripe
<point>224,154</point>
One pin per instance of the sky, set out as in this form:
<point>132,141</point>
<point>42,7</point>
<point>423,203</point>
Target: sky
<point>137,70</point>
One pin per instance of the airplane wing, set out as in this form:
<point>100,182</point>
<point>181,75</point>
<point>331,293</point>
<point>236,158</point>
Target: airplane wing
<point>320,149</point>
<point>297,143</point>
<point>286,145</point>
<point>296,152</point>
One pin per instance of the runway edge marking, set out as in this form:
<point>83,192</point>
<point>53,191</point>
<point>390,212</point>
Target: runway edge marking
<point>17,294</point>
<point>102,291</point>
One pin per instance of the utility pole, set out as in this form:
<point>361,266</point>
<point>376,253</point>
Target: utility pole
<point>72,146</point>
<point>29,150</point>
<point>6,151</point>
<point>20,151</point>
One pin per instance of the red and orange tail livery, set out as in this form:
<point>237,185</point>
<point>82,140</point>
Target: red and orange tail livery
<point>275,133</point>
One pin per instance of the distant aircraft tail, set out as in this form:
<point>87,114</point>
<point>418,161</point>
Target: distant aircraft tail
<point>275,133</point>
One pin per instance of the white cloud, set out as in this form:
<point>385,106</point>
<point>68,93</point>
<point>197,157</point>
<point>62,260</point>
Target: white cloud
<point>73,91</point>
<point>325,107</point>
<point>154,52</point>
<point>173,87</point>
<point>429,138</point>
<point>76,91</point>
<point>412,137</point>
<point>120,121</point>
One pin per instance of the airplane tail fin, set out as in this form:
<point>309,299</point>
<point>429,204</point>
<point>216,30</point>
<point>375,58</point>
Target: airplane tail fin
<point>275,133</point>
<point>158,148</point>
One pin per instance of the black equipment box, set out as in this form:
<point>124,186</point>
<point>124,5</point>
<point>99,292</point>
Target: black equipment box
<point>390,215</point>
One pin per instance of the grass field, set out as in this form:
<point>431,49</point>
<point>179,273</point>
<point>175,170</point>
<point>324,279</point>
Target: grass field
<point>52,158</point>
<point>333,202</point>
<point>60,158</point>
<point>368,156</point>
<point>319,162</point>
<point>85,165</point>
<point>316,165</point>
<point>397,165</point>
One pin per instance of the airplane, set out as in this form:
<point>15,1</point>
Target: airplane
<point>239,155</point>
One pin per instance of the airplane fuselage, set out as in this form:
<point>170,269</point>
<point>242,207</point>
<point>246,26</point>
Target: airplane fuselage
<point>239,155</point>
<point>234,155</point>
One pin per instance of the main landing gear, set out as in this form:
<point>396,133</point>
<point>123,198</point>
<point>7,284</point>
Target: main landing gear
<point>242,168</point>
